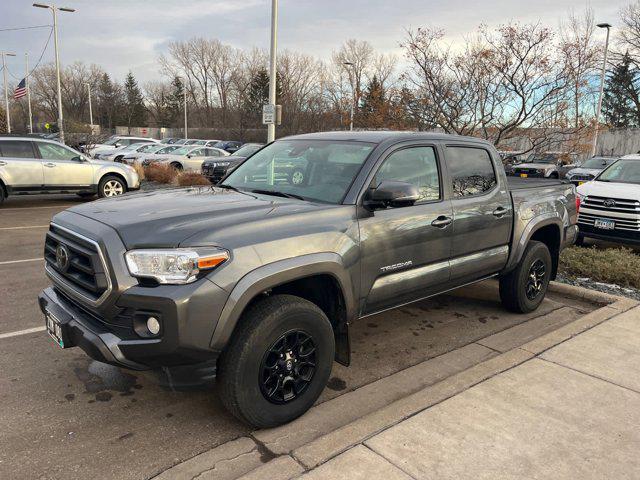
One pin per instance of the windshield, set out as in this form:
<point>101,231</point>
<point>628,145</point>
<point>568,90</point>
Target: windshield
<point>112,141</point>
<point>542,158</point>
<point>312,169</point>
<point>622,171</point>
<point>598,163</point>
<point>246,150</point>
<point>167,149</point>
<point>182,150</point>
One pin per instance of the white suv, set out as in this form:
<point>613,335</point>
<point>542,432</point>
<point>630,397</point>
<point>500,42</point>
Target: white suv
<point>610,204</point>
<point>29,165</point>
<point>116,141</point>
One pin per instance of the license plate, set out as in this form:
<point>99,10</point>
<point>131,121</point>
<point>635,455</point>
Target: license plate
<point>54,328</point>
<point>605,224</point>
<point>523,175</point>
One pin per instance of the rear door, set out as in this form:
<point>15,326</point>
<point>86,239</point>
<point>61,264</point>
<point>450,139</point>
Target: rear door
<point>20,165</point>
<point>64,168</point>
<point>405,255</point>
<point>482,213</point>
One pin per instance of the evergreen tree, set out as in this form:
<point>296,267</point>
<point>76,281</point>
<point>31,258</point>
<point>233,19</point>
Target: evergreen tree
<point>258,93</point>
<point>136,113</point>
<point>109,102</point>
<point>373,109</point>
<point>175,103</point>
<point>620,95</point>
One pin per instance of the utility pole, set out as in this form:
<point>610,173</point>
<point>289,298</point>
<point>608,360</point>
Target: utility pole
<point>353,93</point>
<point>55,9</point>
<point>90,109</point>
<point>602,74</point>
<point>271,128</point>
<point>26,81</point>
<point>184,96</point>
<point>6,91</point>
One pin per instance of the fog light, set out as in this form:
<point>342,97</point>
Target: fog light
<point>153,325</point>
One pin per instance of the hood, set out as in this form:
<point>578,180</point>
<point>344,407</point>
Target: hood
<point>174,217</point>
<point>584,171</point>
<point>537,166</point>
<point>629,191</point>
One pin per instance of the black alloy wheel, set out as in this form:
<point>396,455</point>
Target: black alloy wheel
<point>536,279</point>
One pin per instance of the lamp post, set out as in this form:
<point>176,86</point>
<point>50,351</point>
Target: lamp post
<point>602,74</point>
<point>184,100</point>
<point>353,93</point>
<point>271,128</point>
<point>90,109</point>
<point>55,10</point>
<point>6,92</point>
<point>26,82</point>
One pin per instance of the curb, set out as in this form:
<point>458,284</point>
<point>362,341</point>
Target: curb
<point>286,452</point>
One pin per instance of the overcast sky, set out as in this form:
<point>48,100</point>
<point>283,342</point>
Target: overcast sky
<point>123,35</point>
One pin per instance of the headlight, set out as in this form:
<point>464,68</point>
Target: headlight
<point>221,164</point>
<point>174,266</point>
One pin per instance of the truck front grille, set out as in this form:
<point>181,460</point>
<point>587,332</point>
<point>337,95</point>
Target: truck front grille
<point>624,213</point>
<point>76,265</point>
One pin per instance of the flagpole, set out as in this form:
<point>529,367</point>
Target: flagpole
<point>26,81</point>
<point>6,93</point>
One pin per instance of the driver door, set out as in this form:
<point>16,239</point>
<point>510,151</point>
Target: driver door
<point>64,168</point>
<point>406,250</point>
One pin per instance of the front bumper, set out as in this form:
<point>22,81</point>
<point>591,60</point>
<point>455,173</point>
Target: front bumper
<point>615,236</point>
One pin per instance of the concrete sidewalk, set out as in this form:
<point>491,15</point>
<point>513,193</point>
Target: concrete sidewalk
<point>571,411</point>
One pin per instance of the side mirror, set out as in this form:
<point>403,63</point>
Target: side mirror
<point>188,155</point>
<point>390,193</point>
<point>78,159</point>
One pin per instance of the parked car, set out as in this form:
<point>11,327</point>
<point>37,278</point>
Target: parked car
<point>546,165</point>
<point>33,165</point>
<point>169,141</point>
<point>117,154</point>
<point>589,169</point>
<point>229,146</point>
<point>116,141</point>
<point>257,281</point>
<point>150,152</point>
<point>610,204</point>
<point>215,168</point>
<point>187,157</point>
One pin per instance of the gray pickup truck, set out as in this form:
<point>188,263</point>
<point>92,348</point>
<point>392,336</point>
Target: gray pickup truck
<point>255,281</point>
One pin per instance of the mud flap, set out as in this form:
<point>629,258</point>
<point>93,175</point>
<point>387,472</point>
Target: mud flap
<point>343,344</point>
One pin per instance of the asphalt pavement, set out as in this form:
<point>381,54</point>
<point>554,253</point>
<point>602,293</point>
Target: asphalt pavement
<point>66,416</point>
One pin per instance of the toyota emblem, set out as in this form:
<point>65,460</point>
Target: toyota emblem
<point>609,203</point>
<point>62,257</point>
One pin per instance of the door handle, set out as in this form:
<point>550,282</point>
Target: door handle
<point>50,165</point>
<point>500,212</point>
<point>442,221</point>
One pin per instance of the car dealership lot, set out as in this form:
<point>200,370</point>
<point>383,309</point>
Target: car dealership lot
<point>66,416</point>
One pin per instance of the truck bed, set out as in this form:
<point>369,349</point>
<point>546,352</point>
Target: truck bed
<point>517,183</point>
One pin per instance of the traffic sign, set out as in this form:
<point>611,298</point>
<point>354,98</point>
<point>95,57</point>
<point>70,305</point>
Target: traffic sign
<point>47,126</point>
<point>268,114</point>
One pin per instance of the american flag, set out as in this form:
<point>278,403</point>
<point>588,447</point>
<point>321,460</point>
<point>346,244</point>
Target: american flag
<point>21,90</point>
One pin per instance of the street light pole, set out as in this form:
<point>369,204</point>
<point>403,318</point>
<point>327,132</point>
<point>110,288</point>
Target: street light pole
<point>26,81</point>
<point>184,97</point>
<point>55,9</point>
<point>271,128</point>
<point>602,74</point>
<point>90,109</point>
<point>353,94</point>
<point>6,91</point>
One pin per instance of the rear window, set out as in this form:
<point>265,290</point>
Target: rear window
<point>471,171</point>
<point>17,149</point>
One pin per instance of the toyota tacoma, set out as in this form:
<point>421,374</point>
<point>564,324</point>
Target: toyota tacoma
<point>256,281</point>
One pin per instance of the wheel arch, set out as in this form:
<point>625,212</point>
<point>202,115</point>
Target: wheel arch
<point>114,174</point>
<point>547,230</point>
<point>320,278</point>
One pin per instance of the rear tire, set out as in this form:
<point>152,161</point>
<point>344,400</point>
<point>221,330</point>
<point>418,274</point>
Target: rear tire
<point>177,166</point>
<point>265,375</point>
<point>523,289</point>
<point>111,186</point>
<point>2,194</point>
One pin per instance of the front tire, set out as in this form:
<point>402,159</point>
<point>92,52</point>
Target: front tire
<point>523,289</point>
<point>277,362</point>
<point>177,166</point>
<point>111,186</point>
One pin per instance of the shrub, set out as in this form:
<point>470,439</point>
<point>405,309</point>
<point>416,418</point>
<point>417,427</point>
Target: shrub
<point>139,170</point>
<point>612,265</point>
<point>187,179</point>
<point>160,173</point>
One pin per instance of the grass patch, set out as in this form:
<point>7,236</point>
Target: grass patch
<point>612,265</point>
<point>160,173</point>
<point>188,179</point>
<point>139,170</point>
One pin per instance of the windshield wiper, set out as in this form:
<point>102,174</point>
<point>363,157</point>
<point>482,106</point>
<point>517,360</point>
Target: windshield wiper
<point>277,193</point>
<point>228,187</point>
<point>602,180</point>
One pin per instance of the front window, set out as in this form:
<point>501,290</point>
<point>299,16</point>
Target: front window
<point>598,162</point>
<point>247,150</point>
<point>170,149</point>
<point>321,170</point>
<point>622,171</point>
<point>182,151</point>
<point>112,141</point>
<point>542,158</point>
<point>49,151</point>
